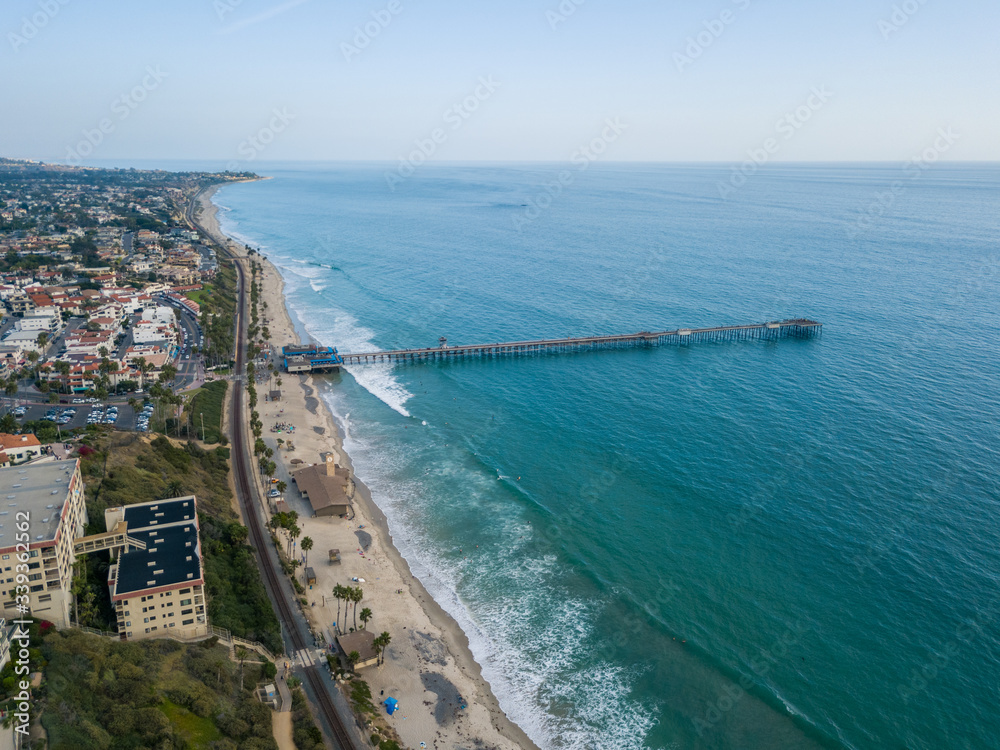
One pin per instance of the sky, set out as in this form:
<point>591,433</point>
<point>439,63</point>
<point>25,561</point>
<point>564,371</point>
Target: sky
<point>239,81</point>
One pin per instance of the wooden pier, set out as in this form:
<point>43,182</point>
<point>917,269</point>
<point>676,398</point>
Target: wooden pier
<point>797,328</point>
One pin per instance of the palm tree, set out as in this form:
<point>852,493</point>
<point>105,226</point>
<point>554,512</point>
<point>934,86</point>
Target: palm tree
<point>354,657</point>
<point>43,337</point>
<point>63,368</point>
<point>8,424</point>
<point>281,487</point>
<point>357,594</point>
<point>338,594</point>
<point>293,534</point>
<point>307,544</point>
<point>366,615</point>
<point>381,644</point>
<point>241,654</point>
<point>167,373</point>
<point>173,489</point>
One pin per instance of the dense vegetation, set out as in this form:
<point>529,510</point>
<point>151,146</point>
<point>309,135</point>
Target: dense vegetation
<point>113,695</point>
<point>218,317</point>
<point>208,404</point>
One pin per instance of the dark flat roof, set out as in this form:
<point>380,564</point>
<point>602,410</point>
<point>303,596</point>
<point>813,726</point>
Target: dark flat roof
<point>160,513</point>
<point>171,557</point>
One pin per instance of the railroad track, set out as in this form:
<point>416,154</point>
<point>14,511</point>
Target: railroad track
<point>242,466</point>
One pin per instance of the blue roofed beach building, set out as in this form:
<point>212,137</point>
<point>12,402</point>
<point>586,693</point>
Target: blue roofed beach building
<point>310,358</point>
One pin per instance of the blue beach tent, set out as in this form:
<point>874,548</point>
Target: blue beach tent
<point>391,705</point>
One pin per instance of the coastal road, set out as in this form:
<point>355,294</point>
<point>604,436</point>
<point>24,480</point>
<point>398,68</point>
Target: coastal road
<point>247,493</point>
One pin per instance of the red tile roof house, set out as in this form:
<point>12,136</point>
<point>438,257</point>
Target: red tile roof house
<point>19,448</point>
<point>105,279</point>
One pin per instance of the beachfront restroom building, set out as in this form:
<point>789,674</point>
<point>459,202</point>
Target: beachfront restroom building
<point>327,486</point>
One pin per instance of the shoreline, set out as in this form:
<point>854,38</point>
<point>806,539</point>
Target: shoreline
<point>430,672</point>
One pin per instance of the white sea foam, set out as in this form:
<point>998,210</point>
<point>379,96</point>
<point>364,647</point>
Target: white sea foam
<point>334,327</point>
<point>531,637</point>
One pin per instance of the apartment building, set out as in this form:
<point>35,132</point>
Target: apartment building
<point>43,505</point>
<point>158,584</point>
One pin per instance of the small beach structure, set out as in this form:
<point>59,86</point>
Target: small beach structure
<point>310,576</point>
<point>326,486</point>
<point>274,395</point>
<point>362,641</point>
<point>334,556</point>
<point>391,705</point>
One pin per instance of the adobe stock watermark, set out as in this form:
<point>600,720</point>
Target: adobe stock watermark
<point>713,29</point>
<point>364,35</point>
<point>913,169</point>
<point>33,24</point>
<point>900,16</point>
<point>786,127</point>
<point>224,7</point>
<point>251,146</point>
<point>733,692</point>
<point>581,158</point>
<point>122,107</point>
<point>562,13</point>
<point>938,660</point>
<point>455,118</point>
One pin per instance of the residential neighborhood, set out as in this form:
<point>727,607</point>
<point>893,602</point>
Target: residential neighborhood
<point>101,286</point>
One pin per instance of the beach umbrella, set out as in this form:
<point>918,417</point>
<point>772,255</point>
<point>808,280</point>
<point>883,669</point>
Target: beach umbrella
<point>391,704</point>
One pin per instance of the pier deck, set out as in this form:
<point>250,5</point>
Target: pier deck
<point>798,328</point>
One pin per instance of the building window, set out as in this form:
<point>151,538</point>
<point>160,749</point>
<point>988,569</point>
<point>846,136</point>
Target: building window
<point>186,611</point>
<point>188,622</point>
<point>185,602</point>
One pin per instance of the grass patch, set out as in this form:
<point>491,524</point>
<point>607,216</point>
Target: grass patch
<point>200,295</point>
<point>198,732</point>
<point>208,403</point>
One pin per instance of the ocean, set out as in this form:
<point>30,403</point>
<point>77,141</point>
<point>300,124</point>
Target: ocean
<point>751,544</point>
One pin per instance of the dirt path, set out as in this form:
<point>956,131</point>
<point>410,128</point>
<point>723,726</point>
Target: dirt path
<point>281,728</point>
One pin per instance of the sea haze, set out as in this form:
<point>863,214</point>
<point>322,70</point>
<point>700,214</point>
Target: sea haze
<point>749,544</point>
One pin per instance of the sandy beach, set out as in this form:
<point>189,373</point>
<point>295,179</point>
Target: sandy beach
<point>428,666</point>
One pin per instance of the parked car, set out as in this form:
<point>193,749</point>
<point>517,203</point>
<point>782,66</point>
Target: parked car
<point>273,493</point>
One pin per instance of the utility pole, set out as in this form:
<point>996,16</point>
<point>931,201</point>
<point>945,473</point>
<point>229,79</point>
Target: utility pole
<point>202,426</point>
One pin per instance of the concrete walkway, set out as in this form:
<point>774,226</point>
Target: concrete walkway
<point>284,694</point>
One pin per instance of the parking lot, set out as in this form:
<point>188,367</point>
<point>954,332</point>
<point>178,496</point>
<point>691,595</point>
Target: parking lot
<point>71,416</point>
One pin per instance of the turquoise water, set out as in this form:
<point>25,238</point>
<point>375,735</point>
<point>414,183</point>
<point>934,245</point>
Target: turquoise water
<point>735,545</point>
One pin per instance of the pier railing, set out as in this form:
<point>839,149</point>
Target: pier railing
<point>797,328</point>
